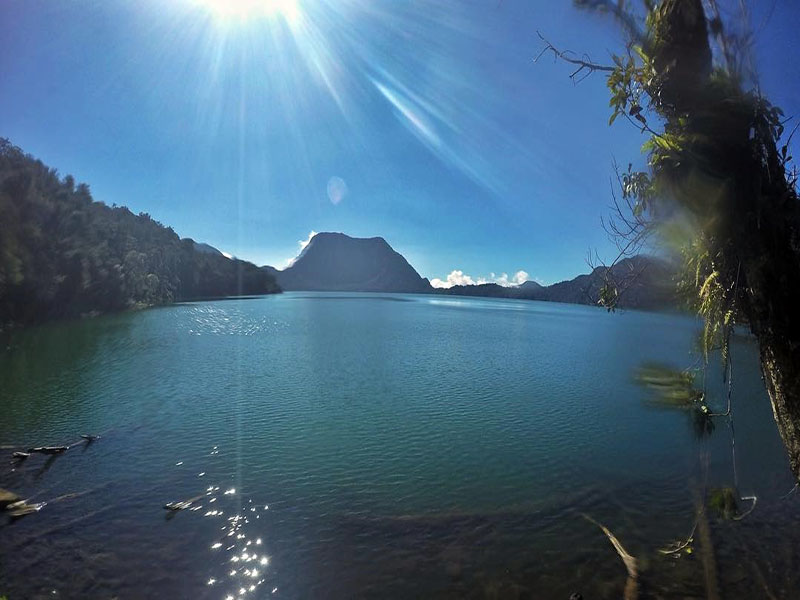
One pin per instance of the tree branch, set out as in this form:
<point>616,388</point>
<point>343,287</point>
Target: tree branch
<point>585,66</point>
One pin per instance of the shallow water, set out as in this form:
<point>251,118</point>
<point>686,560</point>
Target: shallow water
<point>367,445</point>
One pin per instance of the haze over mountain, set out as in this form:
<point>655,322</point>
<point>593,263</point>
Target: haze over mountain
<point>204,248</point>
<point>337,262</point>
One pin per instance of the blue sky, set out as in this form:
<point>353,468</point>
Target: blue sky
<point>425,121</point>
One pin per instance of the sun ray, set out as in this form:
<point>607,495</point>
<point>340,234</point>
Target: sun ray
<point>243,10</point>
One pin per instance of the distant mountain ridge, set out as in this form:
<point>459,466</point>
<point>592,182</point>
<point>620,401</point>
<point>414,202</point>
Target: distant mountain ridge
<point>645,282</point>
<point>335,262</point>
<point>62,254</point>
<point>338,262</point>
<point>530,285</point>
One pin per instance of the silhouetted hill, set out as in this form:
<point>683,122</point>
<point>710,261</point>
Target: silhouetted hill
<point>63,254</point>
<point>530,286</point>
<point>487,290</point>
<point>338,262</point>
<point>494,290</point>
<point>205,248</point>
<point>645,282</point>
<point>272,271</point>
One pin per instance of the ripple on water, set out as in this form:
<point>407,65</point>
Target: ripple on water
<point>415,448</point>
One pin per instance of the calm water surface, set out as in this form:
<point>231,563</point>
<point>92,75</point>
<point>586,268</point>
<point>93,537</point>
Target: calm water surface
<point>383,446</point>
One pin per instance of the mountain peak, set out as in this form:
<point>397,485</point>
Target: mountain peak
<point>334,261</point>
<point>337,236</point>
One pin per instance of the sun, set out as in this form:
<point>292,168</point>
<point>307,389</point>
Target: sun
<point>246,10</point>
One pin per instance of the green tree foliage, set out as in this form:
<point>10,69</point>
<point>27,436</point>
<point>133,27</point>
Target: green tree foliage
<point>719,186</point>
<point>63,254</point>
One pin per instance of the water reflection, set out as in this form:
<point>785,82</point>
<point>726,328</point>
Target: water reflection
<point>376,450</point>
<point>47,373</point>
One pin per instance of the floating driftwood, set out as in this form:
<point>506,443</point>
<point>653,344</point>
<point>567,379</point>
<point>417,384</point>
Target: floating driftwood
<point>86,438</point>
<point>21,508</point>
<point>7,498</point>
<point>14,506</point>
<point>631,565</point>
<point>48,450</point>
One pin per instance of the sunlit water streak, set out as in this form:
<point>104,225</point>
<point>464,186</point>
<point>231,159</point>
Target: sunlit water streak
<point>367,445</point>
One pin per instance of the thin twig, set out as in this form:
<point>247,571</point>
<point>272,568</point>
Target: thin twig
<point>790,492</point>
<point>585,67</point>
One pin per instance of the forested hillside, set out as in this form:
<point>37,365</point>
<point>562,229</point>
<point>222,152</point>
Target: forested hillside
<point>63,254</point>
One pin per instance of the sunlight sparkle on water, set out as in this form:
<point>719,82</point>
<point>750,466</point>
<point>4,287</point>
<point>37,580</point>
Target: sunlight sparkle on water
<point>238,563</point>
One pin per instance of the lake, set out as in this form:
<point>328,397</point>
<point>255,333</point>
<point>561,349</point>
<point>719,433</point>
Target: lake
<point>379,446</point>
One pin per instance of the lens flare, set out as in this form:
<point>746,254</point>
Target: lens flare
<point>293,84</point>
<point>252,9</point>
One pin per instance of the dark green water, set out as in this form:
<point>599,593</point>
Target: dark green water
<point>384,446</point>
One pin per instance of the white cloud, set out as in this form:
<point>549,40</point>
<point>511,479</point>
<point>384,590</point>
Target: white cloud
<point>503,279</point>
<point>303,244</point>
<point>458,277</point>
